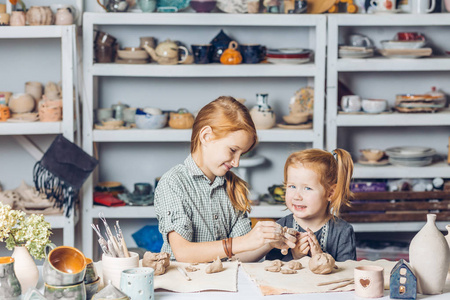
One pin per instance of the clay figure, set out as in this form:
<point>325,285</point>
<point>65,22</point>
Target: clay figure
<point>191,269</point>
<point>322,263</point>
<point>275,263</point>
<point>294,265</point>
<point>158,261</point>
<point>288,271</point>
<point>273,268</point>
<point>214,267</point>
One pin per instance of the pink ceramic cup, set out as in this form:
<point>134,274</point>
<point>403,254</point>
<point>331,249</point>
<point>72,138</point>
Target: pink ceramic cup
<point>369,281</point>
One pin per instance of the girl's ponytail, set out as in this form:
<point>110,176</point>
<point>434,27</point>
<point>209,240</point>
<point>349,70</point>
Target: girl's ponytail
<point>342,192</point>
<point>237,190</point>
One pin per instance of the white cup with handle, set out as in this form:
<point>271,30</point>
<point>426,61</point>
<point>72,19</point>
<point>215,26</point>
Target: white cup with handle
<point>422,6</point>
<point>351,103</point>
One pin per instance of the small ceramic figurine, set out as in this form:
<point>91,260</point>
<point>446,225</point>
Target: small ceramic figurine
<point>403,281</point>
<point>231,56</point>
<point>166,53</point>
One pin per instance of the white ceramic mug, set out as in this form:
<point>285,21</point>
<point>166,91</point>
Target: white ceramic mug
<point>385,6</point>
<point>369,281</point>
<point>359,40</point>
<point>422,6</point>
<point>351,103</point>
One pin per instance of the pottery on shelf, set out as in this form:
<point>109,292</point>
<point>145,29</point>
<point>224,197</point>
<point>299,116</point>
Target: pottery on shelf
<point>40,15</point>
<point>50,111</point>
<point>5,113</point>
<point>63,16</point>
<point>262,114</point>
<point>231,56</point>
<point>182,119</point>
<point>166,53</point>
<point>21,103</point>
<point>18,18</point>
<point>429,255</point>
<point>52,91</point>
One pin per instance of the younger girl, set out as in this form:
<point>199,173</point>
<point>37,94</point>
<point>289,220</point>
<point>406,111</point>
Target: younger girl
<point>201,205</point>
<point>317,184</point>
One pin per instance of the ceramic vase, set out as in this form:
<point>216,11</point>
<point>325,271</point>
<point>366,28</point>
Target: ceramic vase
<point>17,18</point>
<point>262,114</point>
<point>25,268</point>
<point>429,256</point>
<point>63,16</point>
<point>40,15</point>
<point>9,285</point>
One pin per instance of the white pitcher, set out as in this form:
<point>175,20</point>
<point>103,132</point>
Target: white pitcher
<point>422,6</point>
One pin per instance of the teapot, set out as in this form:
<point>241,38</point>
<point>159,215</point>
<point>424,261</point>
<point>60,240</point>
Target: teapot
<point>166,53</point>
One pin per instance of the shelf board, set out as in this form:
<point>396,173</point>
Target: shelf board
<point>60,221</point>
<point>27,32</point>
<point>380,64</point>
<point>184,135</point>
<point>208,70</point>
<point>383,20</point>
<point>147,212</point>
<point>394,226</point>
<point>196,19</point>
<point>29,128</point>
<point>441,118</point>
<point>441,169</point>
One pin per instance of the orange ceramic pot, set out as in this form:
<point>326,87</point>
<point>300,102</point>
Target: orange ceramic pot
<point>50,111</point>
<point>5,114</point>
<point>231,56</point>
<point>181,120</point>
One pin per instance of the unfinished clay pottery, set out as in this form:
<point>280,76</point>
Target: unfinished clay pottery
<point>181,120</point>
<point>34,88</point>
<point>5,114</point>
<point>17,18</point>
<point>429,255</point>
<point>39,15</point>
<point>63,16</point>
<point>50,111</point>
<point>21,103</point>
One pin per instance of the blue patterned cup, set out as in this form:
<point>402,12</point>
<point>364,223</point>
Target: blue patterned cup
<point>202,53</point>
<point>252,53</point>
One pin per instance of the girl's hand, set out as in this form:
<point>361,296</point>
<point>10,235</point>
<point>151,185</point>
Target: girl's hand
<point>313,242</point>
<point>263,234</point>
<point>302,247</point>
<point>288,239</point>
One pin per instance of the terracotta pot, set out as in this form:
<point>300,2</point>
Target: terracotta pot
<point>25,268</point>
<point>429,255</point>
<point>48,112</point>
<point>63,17</point>
<point>21,103</point>
<point>181,121</point>
<point>5,114</point>
<point>40,15</point>
<point>18,18</point>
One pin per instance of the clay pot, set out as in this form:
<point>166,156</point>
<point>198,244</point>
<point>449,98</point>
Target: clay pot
<point>262,114</point>
<point>429,255</point>
<point>50,111</point>
<point>231,56</point>
<point>21,103</point>
<point>18,18</point>
<point>34,88</point>
<point>4,113</point>
<point>40,15</point>
<point>181,120</point>
<point>63,16</point>
<point>52,91</point>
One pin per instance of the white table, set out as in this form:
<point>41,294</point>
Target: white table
<point>248,290</point>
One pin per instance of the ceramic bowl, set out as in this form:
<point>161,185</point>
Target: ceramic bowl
<point>132,53</point>
<point>92,288</point>
<point>64,266</point>
<point>402,44</point>
<point>296,118</point>
<point>374,105</point>
<point>372,155</point>
<point>76,291</point>
<point>203,6</point>
<point>148,121</point>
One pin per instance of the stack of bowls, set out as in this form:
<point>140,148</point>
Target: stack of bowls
<point>63,272</point>
<point>132,55</point>
<point>410,156</point>
<point>91,279</point>
<point>289,55</point>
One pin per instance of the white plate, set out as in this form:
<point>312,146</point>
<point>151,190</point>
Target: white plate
<point>410,152</point>
<point>403,44</point>
<point>288,61</point>
<point>411,163</point>
<point>355,55</point>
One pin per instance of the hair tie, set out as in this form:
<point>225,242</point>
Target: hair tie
<point>334,155</point>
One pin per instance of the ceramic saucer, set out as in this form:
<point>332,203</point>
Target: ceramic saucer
<point>364,161</point>
<point>298,126</point>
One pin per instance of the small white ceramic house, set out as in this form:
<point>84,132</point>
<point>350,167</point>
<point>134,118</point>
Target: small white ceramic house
<point>403,281</point>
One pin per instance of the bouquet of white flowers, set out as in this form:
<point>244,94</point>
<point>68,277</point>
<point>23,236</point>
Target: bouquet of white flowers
<point>31,231</point>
